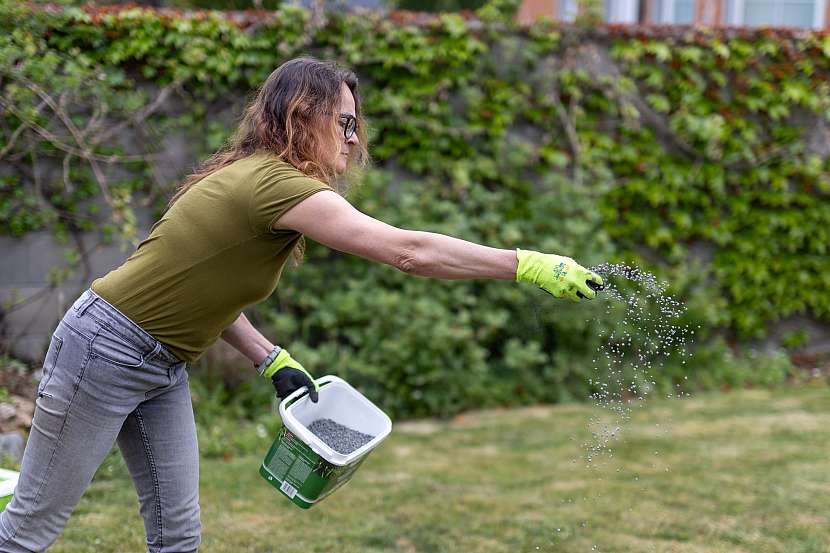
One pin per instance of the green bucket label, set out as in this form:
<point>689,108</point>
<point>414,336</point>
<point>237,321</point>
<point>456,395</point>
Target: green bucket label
<point>300,474</point>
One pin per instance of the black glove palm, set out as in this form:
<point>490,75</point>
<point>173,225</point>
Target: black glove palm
<point>288,379</point>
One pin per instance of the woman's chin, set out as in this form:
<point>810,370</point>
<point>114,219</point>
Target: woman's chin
<point>341,165</point>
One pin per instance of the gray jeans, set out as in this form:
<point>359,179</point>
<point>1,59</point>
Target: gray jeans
<point>106,380</point>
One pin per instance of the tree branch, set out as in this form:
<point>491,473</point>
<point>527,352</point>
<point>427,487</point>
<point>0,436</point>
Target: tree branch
<point>17,132</point>
<point>141,115</point>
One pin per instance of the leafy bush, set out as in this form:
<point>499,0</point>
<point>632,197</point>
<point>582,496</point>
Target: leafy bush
<point>723,367</point>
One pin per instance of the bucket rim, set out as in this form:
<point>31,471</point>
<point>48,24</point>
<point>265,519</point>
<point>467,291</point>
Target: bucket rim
<point>316,444</point>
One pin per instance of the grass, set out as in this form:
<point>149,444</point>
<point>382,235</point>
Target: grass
<point>747,471</point>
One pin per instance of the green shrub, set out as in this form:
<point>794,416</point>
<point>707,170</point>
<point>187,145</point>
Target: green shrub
<point>717,365</point>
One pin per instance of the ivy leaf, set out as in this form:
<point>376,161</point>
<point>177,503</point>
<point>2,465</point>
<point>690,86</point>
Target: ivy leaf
<point>660,50</point>
<point>691,54</point>
<point>659,102</point>
<point>721,49</point>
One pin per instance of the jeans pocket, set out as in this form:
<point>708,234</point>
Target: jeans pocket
<point>49,362</point>
<point>113,348</point>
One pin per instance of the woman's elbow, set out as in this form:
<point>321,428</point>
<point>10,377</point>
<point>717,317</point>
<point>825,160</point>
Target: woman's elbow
<point>407,261</point>
<point>412,258</point>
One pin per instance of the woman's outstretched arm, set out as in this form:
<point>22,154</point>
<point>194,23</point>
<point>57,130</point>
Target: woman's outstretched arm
<point>330,220</point>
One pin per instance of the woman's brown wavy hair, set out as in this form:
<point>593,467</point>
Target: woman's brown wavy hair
<point>294,115</point>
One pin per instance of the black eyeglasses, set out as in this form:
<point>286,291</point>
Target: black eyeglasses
<point>349,124</point>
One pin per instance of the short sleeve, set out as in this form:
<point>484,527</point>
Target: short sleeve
<point>274,193</point>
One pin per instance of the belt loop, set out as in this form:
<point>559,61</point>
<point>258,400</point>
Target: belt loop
<point>87,301</point>
<point>155,352</point>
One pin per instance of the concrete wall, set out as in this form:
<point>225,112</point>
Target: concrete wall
<point>30,307</point>
<point>24,271</point>
<point>25,331</point>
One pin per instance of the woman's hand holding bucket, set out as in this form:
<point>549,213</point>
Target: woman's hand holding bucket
<point>287,374</point>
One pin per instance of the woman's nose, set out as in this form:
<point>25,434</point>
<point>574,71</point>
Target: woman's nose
<point>352,139</point>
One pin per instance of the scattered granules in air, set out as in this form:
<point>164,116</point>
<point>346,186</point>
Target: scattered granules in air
<point>340,438</point>
<point>634,350</point>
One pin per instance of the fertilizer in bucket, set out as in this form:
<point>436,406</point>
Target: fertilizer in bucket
<point>322,444</point>
<point>8,481</point>
<point>340,438</point>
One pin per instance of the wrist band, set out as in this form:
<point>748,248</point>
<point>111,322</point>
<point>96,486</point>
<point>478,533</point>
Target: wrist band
<point>268,360</point>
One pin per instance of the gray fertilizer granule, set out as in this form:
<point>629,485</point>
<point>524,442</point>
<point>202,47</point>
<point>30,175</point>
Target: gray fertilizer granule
<point>340,438</point>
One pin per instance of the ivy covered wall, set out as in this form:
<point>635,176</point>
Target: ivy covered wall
<point>699,154</point>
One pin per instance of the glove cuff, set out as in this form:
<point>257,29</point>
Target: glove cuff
<point>519,264</point>
<point>284,360</point>
<point>280,360</point>
<point>527,270</point>
<point>262,367</point>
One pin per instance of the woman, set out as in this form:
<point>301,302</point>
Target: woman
<point>115,369</point>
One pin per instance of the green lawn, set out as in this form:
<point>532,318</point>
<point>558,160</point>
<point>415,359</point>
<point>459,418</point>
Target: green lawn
<point>746,472</point>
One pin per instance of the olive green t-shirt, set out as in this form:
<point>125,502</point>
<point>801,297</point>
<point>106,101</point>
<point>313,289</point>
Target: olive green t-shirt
<point>211,254</point>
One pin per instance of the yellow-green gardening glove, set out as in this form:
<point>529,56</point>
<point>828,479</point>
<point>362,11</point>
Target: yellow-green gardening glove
<point>287,374</point>
<point>560,276</point>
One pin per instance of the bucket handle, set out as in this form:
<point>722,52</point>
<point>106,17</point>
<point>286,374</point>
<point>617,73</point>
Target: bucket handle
<point>299,392</point>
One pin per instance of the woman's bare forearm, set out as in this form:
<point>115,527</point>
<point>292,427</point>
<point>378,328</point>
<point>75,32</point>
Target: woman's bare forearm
<point>440,256</point>
<point>247,340</point>
<point>329,219</point>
